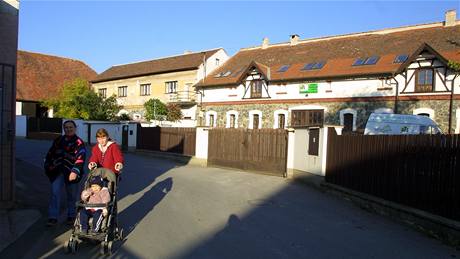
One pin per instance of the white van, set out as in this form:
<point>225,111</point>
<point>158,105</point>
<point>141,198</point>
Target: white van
<point>400,124</point>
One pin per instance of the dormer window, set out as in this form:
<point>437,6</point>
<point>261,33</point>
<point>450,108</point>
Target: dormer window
<point>424,80</point>
<point>366,61</point>
<point>256,88</point>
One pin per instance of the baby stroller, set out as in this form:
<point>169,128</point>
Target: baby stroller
<point>110,230</point>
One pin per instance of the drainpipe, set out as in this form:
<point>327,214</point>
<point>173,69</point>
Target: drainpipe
<point>451,104</point>
<point>396,97</point>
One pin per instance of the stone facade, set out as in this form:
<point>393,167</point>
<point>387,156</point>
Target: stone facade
<point>332,111</point>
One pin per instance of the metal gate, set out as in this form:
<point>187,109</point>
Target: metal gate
<point>261,150</point>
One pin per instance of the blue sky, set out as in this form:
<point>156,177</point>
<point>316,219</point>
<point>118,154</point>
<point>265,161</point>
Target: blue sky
<point>106,33</point>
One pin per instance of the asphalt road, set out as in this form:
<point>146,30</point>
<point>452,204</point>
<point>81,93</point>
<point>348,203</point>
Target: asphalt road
<point>170,210</point>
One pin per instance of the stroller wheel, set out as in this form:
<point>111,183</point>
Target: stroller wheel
<point>74,246</point>
<point>71,246</point>
<point>103,249</point>
<point>66,247</point>
<point>109,247</point>
<point>120,233</point>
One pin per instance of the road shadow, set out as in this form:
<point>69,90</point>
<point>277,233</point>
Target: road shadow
<point>33,191</point>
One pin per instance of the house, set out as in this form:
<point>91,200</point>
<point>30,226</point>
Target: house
<point>169,79</point>
<point>9,15</point>
<point>339,80</point>
<point>41,77</point>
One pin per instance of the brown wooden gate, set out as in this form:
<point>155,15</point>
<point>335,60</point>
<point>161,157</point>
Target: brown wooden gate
<point>262,150</point>
<point>175,140</point>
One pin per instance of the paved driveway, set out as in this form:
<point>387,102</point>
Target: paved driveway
<point>174,211</point>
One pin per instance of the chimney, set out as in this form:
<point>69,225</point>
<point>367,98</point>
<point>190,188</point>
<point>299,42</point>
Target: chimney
<point>451,17</point>
<point>294,39</point>
<point>187,52</point>
<point>265,43</point>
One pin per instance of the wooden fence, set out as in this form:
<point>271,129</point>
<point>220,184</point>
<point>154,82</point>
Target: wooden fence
<point>421,171</point>
<point>175,140</point>
<point>263,150</point>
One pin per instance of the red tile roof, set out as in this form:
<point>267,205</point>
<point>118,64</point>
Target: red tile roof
<point>340,52</point>
<point>40,76</point>
<point>163,65</point>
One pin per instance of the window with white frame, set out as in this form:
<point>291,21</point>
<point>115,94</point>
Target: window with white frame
<point>348,119</point>
<point>255,119</point>
<point>145,89</point>
<point>211,119</point>
<point>122,91</point>
<point>171,87</point>
<point>280,119</point>
<point>102,92</point>
<point>232,119</point>
<point>424,111</point>
<point>217,62</point>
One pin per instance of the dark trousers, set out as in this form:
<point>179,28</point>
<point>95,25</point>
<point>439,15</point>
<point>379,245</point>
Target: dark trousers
<point>97,219</point>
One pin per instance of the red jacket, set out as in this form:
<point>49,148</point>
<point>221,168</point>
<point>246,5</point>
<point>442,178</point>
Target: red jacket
<point>108,160</point>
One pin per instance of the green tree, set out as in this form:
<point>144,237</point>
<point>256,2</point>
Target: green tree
<point>174,112</point>
<point>155,109</point>
<point>77,101</point>
<point>455,66</point>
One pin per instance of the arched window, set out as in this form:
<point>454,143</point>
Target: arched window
<point>348,122</point>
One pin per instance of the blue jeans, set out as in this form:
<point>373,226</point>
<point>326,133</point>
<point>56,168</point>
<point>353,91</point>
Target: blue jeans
<point>55,200</point>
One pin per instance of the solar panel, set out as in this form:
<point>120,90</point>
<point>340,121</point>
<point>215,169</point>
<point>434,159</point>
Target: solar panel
<point>284,68</point>
<point>319,65</point>
<point>372,60</point>
<point>401,58</point>
<point>308,66</point>
<point>359,62</point>
<point>314,65</point>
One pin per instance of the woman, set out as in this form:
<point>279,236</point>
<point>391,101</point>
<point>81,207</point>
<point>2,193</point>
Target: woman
<point>64,167</point>
<point>106,153</point>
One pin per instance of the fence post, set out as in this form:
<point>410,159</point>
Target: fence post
<point>201,144</point>
<point>290,154</point>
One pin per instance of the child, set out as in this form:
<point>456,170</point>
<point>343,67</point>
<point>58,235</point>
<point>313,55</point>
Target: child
<point>106,153</point>
<point>93,195</point>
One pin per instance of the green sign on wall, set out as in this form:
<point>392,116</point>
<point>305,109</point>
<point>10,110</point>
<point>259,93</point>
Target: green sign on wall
<point>308,88</point>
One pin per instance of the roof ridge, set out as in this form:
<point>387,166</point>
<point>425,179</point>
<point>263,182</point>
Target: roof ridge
<point>49,55</point>
<point>357,34</point>
<point>166,57</point>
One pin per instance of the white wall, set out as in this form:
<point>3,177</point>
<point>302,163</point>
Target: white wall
<point>298,158</point>
<point>211,63</point>
<point>21,125</point>
<point>201,148</point>
<point>113,128</point>
<point>115,131</point>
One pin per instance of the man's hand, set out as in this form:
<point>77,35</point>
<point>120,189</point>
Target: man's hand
<point>72,176</point>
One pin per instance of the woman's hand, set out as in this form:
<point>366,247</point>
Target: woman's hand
<point>72,176</point>
<point>92,165</point>
<point>118,166</point>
